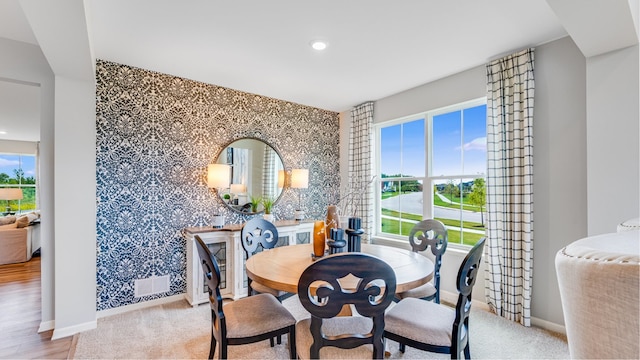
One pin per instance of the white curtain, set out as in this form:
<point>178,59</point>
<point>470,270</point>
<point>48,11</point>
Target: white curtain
<point>360,137</point>
<point>509,254</point>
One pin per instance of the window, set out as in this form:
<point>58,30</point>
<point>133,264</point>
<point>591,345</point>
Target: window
<point>18,171</point>
<point>432,165</point>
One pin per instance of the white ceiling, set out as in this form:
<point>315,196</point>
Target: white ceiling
<point>376,47</point>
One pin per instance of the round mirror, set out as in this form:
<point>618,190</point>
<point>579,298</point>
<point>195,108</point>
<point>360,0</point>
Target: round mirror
<point>255,166</point>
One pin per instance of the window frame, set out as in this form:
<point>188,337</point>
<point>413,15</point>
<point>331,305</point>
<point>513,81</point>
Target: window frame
<point>428,179</point>
<point>21,185</point>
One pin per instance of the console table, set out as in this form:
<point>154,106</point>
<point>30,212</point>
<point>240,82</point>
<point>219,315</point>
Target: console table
<point>225,245</point>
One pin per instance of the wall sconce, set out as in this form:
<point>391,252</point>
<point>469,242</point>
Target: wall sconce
<point>218,176</point>
<point>299,180</point>
<point>10,194</point>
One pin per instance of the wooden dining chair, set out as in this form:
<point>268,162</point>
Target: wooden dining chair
<point>258,234</point>
<point>433,327</point>
<point>428,234</point>
<point>245,320</point>
<point>325,287</point>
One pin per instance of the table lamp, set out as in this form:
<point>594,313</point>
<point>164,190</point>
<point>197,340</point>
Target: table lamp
<point>299,180</point>
<point>218,176</point>
<point>236,190</point>
<point>10,194</point>
<point>282,175</point>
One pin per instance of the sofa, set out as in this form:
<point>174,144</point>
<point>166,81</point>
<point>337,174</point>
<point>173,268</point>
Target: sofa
<point>19,237</point>
<point>599,280</point>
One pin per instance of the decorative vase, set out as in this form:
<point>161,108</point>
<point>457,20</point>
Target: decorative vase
<point>333,220</point>
<point>217,221</point>
<point>268,217</point>
<point>319,238</point>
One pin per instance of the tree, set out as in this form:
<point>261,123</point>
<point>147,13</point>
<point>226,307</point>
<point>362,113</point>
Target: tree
<point>452,190</point>
<point>478,196</point>
<point>19,175</point>
<point>4,178</point>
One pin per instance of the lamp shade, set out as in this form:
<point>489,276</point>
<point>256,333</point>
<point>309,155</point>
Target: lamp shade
<point>300,178</point>
<point>281,177</point>
<point>10,194</point>
<point>218,176</point>
<point>238,188</point>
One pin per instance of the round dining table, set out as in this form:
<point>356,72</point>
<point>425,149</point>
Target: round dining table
<point>280,268</point>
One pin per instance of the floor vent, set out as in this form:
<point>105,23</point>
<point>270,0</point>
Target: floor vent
<point>151,285</point>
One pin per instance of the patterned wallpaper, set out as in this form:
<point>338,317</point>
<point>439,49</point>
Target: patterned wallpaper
<point>156,134</point>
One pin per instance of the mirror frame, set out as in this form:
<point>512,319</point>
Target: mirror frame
<point>223,148</point>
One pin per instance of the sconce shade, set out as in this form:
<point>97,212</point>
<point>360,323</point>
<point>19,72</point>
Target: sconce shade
<point>10,194</point>
<point>218,176</point>
<point>300,178</point>
<point>238,188</point>
<point>281,177</point>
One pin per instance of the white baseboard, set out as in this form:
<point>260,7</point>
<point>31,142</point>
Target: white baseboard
<point>548,325</point>
<point>138,306</point>
<point>60,333</point>
<point>46,326</point>
<point>452,298</point>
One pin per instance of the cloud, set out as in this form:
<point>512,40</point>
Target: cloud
<point>476,144</point>
<point>7,162</point>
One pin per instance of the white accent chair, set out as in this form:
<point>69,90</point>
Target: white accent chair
<point>599,280</point>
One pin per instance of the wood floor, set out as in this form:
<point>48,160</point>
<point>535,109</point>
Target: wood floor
<point>20,316</point>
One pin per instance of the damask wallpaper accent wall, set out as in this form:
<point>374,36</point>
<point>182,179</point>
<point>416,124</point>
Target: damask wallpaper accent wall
<point>156,134</point>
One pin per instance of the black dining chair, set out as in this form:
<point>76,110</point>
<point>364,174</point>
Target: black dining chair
<point>346,279</point>
<point>245,320</point>
<point>258,234</point>
<point>433,327</point>
<point>428,234</point>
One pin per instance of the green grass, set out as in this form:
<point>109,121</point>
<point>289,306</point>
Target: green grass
<point>439,202</point>
<point>392,226</point>
<point>397,227</point>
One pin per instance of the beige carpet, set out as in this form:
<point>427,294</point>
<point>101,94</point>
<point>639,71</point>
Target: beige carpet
<point>178,331</point>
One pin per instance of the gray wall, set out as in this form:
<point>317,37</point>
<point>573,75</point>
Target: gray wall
<point>23,62</point>
<point>612,134</point>
<point>559,158</point>
<point>560,196</point>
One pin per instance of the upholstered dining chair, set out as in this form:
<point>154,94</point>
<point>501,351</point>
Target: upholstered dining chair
<point>242,321</point>
<point>354,279</point>
<point>257,234</point>
<point>433,327</point>
<point>427,234</point>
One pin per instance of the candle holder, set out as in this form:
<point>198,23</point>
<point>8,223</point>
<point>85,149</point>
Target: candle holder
<point>337,242</point>
<point>354,234</point>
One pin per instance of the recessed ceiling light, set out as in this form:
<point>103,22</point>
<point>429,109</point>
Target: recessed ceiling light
<point>3,132</point>
<point>319,44</point>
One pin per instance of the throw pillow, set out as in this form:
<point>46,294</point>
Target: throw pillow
<point>32,217</point>
<point>8,226</point>
<point>4,220</point>
<point>22,221</point>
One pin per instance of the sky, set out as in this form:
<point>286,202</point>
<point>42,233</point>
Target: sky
<point>10,162</point>
<point>459,145</point>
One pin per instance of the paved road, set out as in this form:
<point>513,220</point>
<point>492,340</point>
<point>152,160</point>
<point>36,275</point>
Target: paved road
<point>412,203</point>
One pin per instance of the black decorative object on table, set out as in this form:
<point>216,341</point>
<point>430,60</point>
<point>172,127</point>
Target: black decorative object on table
<point>336,242</point>
<point>354,234</point>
